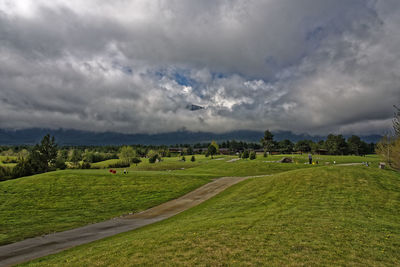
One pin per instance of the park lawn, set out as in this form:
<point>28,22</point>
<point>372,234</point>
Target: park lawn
<point>61,200</point>
<point>219,165</point>
<point>333,215</point>
<point>104,164</point>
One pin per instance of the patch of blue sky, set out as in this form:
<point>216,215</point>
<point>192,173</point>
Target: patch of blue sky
<point>218,75</point>
<point>182,78</point>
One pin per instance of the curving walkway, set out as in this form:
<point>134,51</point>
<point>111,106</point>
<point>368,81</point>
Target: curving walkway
<point>33,248</point>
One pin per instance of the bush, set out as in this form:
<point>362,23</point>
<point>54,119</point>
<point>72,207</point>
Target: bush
<point>119,164</point>
<point>5,173</point>
<point>253,155</point>
<point>183,158</point>
<point>85,165</point>
<point>153,159</point>
<point>23,168</point>
<point>245,154</point>
<point>153,156</point>
<point>60,164</point>
<point>193,159</point>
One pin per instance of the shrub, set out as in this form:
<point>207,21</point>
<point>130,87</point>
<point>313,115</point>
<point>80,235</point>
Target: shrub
<point>60,164</point>
<point>23,168</point>
<point>153,159</point>
<point>153,156</point>
<point>5,173</point>
<point>193,159</point>
<point>85,165</point>
<point>252,155</point>
<point>183,158</point>
<point>245,154</point>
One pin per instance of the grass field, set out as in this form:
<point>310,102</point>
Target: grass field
<point>333,215</point>
<point>62,200</point>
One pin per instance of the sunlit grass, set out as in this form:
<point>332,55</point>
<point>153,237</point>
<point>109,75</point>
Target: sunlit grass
<point>334,215</point>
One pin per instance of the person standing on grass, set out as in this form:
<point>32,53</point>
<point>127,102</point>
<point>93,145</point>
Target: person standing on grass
<point>310,158</point>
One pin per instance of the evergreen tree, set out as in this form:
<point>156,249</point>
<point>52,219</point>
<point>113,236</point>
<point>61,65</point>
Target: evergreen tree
<point>268,141</point>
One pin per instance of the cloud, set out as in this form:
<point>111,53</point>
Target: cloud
<point>134,66</point>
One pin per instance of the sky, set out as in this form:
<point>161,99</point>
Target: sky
<point>306,66</point>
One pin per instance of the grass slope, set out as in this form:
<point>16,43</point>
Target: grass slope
<point>63,200</point>
<point>56,201</point>
<point>342,215</point>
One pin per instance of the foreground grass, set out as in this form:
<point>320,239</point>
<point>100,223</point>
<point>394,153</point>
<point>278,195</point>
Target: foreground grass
<point>348,215</point>
<point>63,200</point>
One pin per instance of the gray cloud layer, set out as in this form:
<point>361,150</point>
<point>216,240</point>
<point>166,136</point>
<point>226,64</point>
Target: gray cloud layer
<point>134,66</point>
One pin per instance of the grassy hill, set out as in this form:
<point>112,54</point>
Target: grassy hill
<point>333,215</point>
<point>61,200</point>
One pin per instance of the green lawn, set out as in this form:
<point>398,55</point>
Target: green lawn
<point>61,200</point>
<point>322,216</point>
<point>56,201</point>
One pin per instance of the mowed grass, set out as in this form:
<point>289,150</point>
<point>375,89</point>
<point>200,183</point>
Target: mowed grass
<point>61,200</point>
<point>56,201</point>
<point>334,215</point>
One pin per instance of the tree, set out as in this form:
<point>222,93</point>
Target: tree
<point>385,149</point>
<point>76,156</point>
<point>336,144</point>
<point>252,155</point>
<point>136,161</point>
<point>193,159</point>
<point>285,146</point>
<point>396,121</point>
<point>189,151</point>
<point>23,154</point>
<point>245,154</point>
<point>47,151</point>
<point>268,141</point>
<point>126,154</point>
<point>303,146</point>
<point>355,145</point>
<point>153,156</point>
<point>212,149</point>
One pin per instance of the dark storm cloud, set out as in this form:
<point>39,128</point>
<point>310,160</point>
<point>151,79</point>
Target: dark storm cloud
<point>135,66</point>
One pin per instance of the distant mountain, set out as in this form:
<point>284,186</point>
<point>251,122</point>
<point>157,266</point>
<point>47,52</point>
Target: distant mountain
<point>74,137</point>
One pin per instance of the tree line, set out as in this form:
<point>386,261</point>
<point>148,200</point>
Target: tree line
<point>47,155</point>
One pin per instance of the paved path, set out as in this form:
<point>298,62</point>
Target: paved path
<point>49,244</point>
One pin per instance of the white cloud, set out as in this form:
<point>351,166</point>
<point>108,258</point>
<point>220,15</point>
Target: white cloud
<point>134,66</point>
